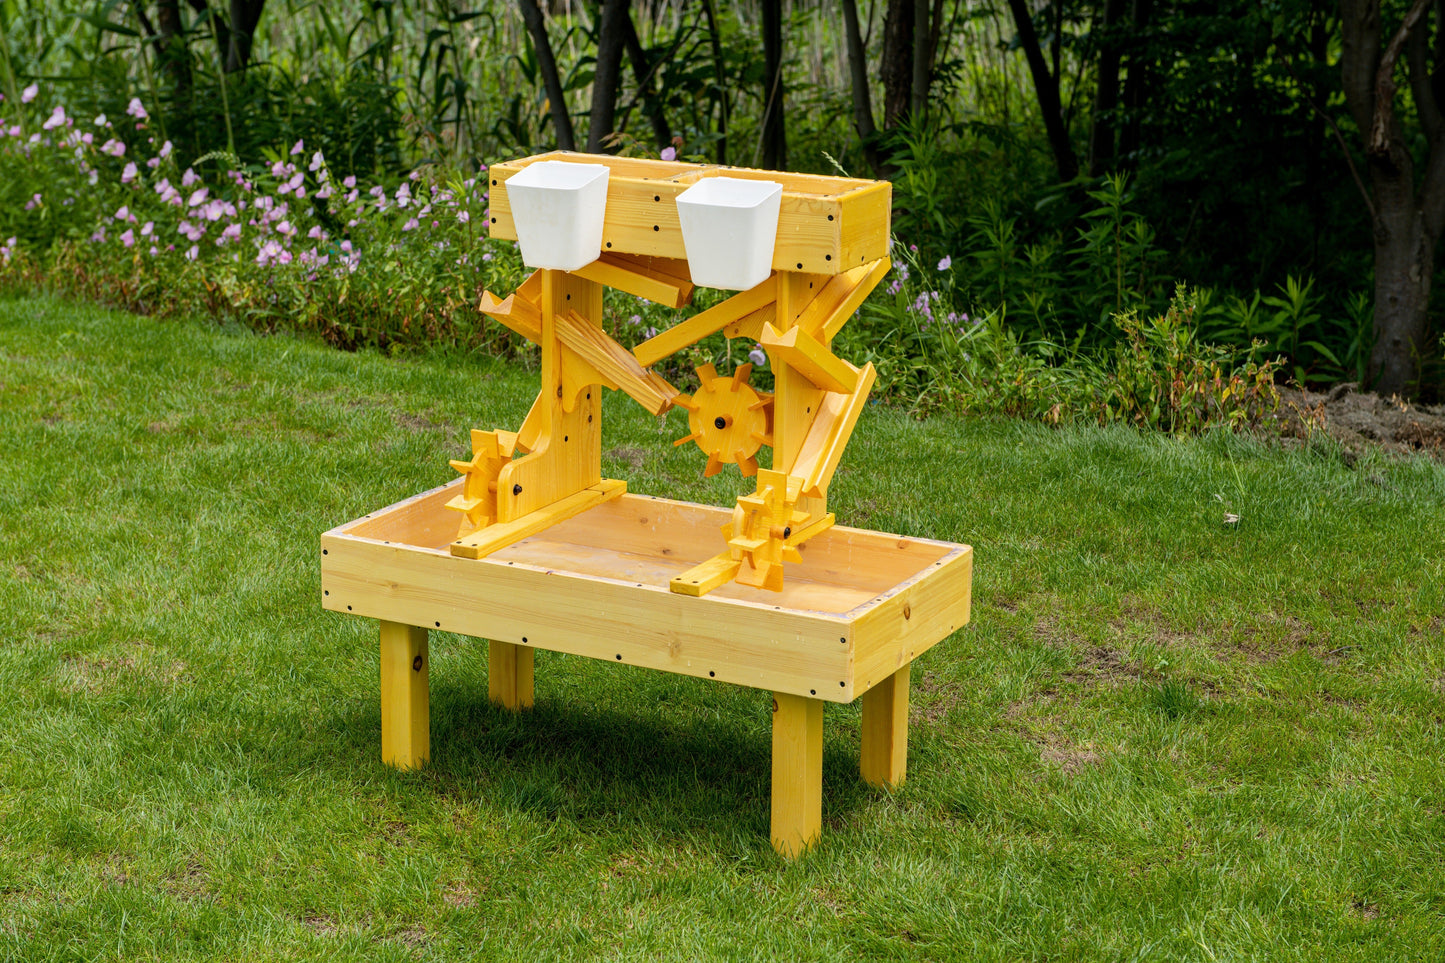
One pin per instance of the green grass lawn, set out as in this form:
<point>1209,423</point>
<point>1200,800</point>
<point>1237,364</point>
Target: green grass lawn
<point>1162,737</point>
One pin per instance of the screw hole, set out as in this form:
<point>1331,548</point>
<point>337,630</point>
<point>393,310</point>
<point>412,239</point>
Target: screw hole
<point>524,640</point>
<point>800,265</point>
<point>494,184</point>
<point>827,257</point>
<point>348,608</point>
<point>657,197</point>
<point>842,685</point>
<point>830,216</point>
<point>323,551</point>
<point>843,639</point>
<point>813,691</point>
<point>619,657</point>
<point>712,675</point>
<point>656,228</point>
<point>494,220</point>
<point>609,243</point>
<point>439,625</point>
<point>326,592</point>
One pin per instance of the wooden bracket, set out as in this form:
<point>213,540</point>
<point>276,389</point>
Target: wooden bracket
<point>711,321</point>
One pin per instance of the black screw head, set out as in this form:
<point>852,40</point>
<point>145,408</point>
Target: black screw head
<point>788,531</point>
<point>719,422</point>
<point>516,489</point>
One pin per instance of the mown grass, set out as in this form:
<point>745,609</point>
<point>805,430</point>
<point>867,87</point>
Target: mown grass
<point>1162,737</point>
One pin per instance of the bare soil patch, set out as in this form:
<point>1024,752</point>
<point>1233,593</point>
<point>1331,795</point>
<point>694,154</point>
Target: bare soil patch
<point>1360,421</point>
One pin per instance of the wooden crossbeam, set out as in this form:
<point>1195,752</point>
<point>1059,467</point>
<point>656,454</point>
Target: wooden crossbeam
<point>649,278</point>
<point>614,364</point>
<point>496,537</point>
<point>711,321</point>
<point>810,357</point>
<point>826,314</point>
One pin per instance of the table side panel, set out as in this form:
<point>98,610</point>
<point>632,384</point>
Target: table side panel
<point>921,613</point>
<point>746,643</point>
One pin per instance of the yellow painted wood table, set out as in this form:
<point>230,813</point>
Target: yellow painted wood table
<point>533,549</point>
<point>855,612</point>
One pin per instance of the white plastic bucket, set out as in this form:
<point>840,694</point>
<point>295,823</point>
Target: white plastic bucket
<point>559,208</point>
<point>729,226</point>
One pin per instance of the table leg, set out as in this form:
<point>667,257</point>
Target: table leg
<point>884,760</point>
<point>405,722</point>
<point>509,675</point>
<point>797,810</point>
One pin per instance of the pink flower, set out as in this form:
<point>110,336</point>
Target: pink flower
<point>316,161</point>
<point>113,147</point>
<point>946,263</point>
<point>153,163</point>
<point>669,153</point>
<point>198,197</point>
<point>285,228</point>
<point>147,228</point>
<point>316,233</point>
<point>758,356</point>
<point>33,203</point>
<point>189,178</point>
<point>298,148</point>
<point>123,214</point>
<point>57,119</point>
<point>270,250</point>
<point>410,225</point>
<point>128,238</point>
<point>231,233</point>
<point>193,253</point>
<point>135,109</point>
<point>28,94</point>
<point>463,217</point>
<point>165,150</point>
<point>100,121</point>
<point>129,174</point>
<point>349,182</point>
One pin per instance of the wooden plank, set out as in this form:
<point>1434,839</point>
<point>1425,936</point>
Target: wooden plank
<point>797,790</point>
<point>702,579</point>
<point>740,641</point>
<point>485,541</point>
<point>826,314</point>
<point>699,326</point>
<point>812,358</point>
<point>919,614</point>
<point>509,675</point>
<point>405,716</point>
<point>614,363</point>
<point>636,277</point>
<point>814,233</point>
<point>514,312</point>
<point>566,440</point>
<point>884,757</point>
<point>828,435</point>
<point>865,224</point>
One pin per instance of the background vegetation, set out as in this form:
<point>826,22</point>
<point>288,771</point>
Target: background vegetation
<point>1055,165</point>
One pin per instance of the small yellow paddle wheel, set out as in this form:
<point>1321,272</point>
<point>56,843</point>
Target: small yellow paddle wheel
<point>729,419</point>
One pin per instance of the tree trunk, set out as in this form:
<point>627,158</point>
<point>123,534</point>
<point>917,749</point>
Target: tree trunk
<point>642,70</point>
<point>1046,88</point>
<point>1404,268</point>
<point>1406,224</point>
<point>775,135</point>
<point>175,55</point>
<point>862,97</point>
<point>1106,98</point>
<point>922,63</point>
<point>556,99</point>
<point>1136,86</point>
<point>245,18</point>
<point>715,38</point>
<point>611,37</point>
<point>897,65</point>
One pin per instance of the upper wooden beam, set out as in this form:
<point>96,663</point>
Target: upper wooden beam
<point>826,225</point>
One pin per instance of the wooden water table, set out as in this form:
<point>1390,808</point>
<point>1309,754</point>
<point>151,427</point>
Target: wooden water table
<point>532,549</point>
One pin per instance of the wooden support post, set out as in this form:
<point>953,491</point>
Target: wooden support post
<point>797,810</point>
<point>884,760</point>
<point>509,675</point>
<point>405,723</point>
